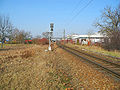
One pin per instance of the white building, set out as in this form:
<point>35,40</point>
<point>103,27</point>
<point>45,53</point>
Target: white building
<point>93,38</point>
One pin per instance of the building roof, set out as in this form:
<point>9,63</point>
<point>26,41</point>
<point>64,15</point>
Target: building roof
<point>96,35</point>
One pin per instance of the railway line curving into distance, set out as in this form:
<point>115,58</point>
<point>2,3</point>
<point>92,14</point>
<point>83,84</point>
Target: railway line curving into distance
<point>104,64</point>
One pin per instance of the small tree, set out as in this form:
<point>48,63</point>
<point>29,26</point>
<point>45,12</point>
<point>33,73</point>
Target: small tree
<point>23,36</point>
<point>5,28</point>
<point>20,36</point>
<point>38,36</point>
<point>45,35</point>
<point>109,25</point>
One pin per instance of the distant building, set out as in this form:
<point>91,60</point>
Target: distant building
<point>83,39</point>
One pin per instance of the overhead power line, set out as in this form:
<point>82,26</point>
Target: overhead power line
<point>77,5</point>
<point>81,10</point>
<point>68,24</point>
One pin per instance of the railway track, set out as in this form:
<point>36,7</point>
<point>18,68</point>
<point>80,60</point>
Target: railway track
<point>105,64</point>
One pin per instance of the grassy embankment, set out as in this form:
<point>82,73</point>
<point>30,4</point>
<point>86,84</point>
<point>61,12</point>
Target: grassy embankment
<point>97,49</point>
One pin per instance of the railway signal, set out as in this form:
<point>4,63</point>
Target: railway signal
<point>50,35</point>
<point>51,26</point>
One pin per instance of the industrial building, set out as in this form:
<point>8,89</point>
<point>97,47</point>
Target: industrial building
<point>84,39</point>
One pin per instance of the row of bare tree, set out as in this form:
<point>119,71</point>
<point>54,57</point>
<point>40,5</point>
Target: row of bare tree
<point>13,34</point>
<point>19,36</point>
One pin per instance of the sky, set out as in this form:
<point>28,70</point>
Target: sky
<point>35,16</point>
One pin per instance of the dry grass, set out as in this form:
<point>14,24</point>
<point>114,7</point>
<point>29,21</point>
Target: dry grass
<point>30,67</point>
<point>98,49</point>
<point>27,53</point>
<point>16,67</point>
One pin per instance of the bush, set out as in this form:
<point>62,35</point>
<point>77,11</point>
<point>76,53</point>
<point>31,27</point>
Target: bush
<point>42,41</point>
<point>28,41</point>
<point>113,41</point>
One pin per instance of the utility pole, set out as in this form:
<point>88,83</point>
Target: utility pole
<point>50,35</point>
<point>49,48</point>
<point>64,36</point>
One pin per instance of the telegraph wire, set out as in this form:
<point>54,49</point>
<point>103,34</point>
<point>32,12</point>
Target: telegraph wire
<point>82,9</point>
<point>77,5</point>
<point>80,12</point>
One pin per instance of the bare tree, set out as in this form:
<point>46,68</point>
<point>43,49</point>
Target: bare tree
<point>109,21</point>
<point>109,25</point>
<point>38,36</point>
<point>20,35</point>
<point>90,32</point>
<point>45,35</point>
<point>5,28</point>
<point>15,33</point>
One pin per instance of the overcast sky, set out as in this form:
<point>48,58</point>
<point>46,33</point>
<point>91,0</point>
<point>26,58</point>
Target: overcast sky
<point>75,16</point>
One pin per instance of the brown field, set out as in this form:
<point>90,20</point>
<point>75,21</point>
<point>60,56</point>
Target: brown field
<point>29,67</point>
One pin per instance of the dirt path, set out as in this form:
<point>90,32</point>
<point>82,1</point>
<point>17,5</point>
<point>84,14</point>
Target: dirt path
<point>32,68</point>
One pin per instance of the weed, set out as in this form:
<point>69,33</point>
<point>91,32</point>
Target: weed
<point>27,54</point>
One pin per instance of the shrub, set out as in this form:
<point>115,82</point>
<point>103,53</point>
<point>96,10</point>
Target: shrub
<point>28,41</point>
<point>113,41</point>
<point>42,41</point>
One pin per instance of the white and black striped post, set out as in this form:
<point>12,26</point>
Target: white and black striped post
<point>50,35</point>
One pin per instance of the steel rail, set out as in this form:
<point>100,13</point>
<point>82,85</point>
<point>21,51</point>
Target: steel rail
<point>93,62</point>
<point>94,56</point>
